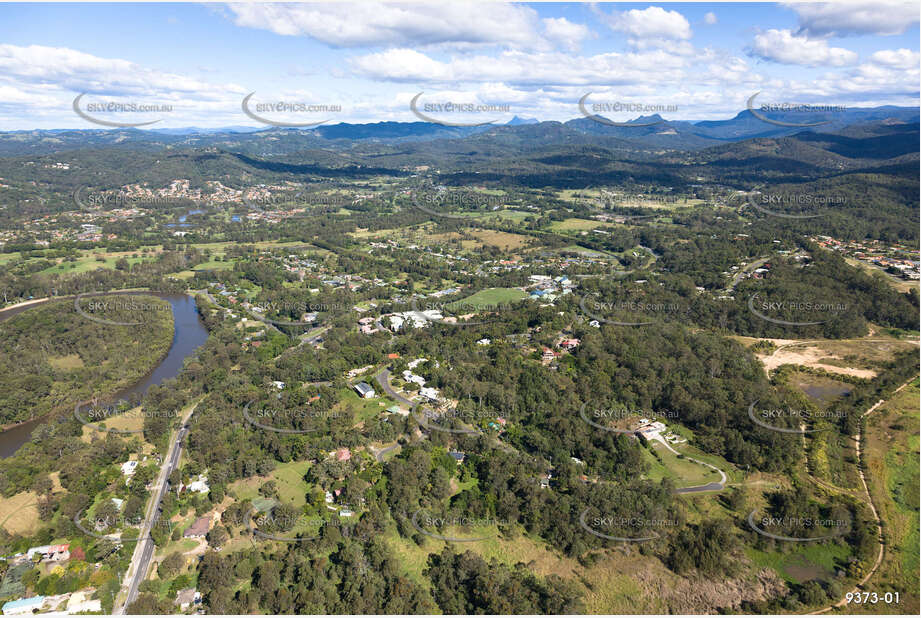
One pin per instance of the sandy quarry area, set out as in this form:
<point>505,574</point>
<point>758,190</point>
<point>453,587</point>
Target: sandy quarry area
<point>811,353</point>
<point>809,356</point>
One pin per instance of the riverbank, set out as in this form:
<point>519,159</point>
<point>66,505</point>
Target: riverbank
<point>188,334</point>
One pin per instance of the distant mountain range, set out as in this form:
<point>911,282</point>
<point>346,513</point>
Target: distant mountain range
<point>647,133</point>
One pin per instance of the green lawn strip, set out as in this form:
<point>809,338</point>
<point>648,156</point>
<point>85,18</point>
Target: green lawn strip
<point>821,558</point>
<point>489,297</point>
<point>684,472</point>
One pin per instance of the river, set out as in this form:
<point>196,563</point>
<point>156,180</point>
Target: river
<point>188,335</point>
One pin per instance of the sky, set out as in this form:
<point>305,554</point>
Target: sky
<point>193,64</point>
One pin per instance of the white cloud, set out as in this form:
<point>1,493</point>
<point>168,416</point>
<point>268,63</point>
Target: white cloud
<point>871,83</point>
<point>787,48</point>
<point>77,71</point>
<point>519,68</point>
<point>373,24</point>
<point>710,18</point>
<point>403,65</point>
<point>650,27</point>
<point>45,80</point>
<point>678,48</point>
<point>850,18</point>
<point>565,33</point>
<point>897,58</point>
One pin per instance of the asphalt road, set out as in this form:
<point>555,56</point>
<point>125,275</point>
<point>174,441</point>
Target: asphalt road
<point>381,453</point>
<point>715,486</point>
<point>707,487</point>
<point>313,338</point>
<point>143,553</point>
<point>383,378</point>
<point>744,271</point>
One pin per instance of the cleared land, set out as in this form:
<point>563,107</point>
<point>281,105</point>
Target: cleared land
<point>892,452</point>
<point>575,224</point>
<point>289,480</point>
<point>899,284</point>
<point>861,358</point>
<point>493,296</point>
<point>133,421</point>
<point>681,470</point>
<point>19,513</point>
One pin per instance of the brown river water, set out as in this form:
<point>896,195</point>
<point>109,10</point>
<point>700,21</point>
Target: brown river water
<point>188,336</point>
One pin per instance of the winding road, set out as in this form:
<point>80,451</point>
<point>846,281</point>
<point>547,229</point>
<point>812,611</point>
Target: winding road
<point>714,486</point>
<point>383,379</point>
<point>379,455</point>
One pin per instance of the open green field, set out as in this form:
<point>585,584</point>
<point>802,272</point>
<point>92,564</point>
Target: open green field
<point>221,247</point>
<point>586,251</point>
<point>214,265</point>
<point>682,471</point>
<point>635,202</point>
<point>292,488</point>
<point>508,214</point>
<point>122,422</point>
<point>19,513</point>
<point>805,562</point>
<point>514,215</point>
<point>183,274</point>
<point>288,477</point>
<point>364,409</point>
<point>492,296</point>
<point>90,262</point>
<point>573,194</point>
<point>575,224</point>
<point>508,551</point>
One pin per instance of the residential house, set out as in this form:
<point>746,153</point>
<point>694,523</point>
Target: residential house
<point>187,597</point>
<point>396,323</point>
<point>651,430</point>
<point>199,485</point>
<point>51,553</point>
<point>354,372</point>
<point>199,529</point>
<point>429,393</point>
<point>21,607</point>
<point>128,468</point>
<point>364,390</point>
<point>409,376</point>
